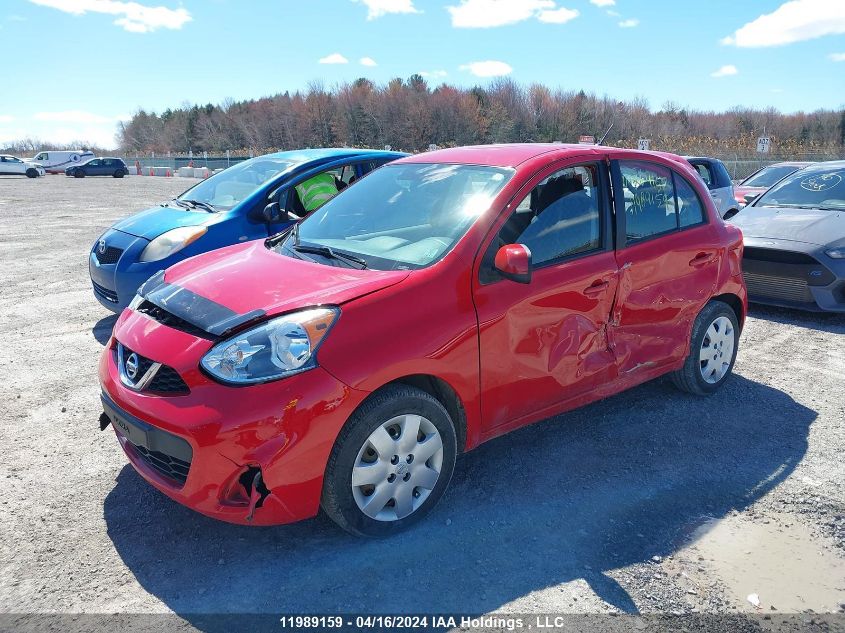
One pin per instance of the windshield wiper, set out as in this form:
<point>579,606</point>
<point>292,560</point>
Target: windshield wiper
<point>178,203</point>
<point>202,205</point>
<point>327,251</point>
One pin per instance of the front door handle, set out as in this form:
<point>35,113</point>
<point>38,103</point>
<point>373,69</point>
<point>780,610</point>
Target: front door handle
<point>596,289</point>
<point>701,259</point>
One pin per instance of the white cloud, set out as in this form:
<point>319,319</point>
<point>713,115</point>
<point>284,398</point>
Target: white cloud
<point>76,116</point>
<point>613,14</point>
<point>132,16</point>
<point>334,58</point>
<point>482,14</point>
<point>793,21</point>
<point>433,74</point>
<point>629,23</point>
<point>378,8</point>
<point>367,61</point>
<point>837,57</point>
<point>558,16</point>
<point>603,3</point>
<point>489,68</point>
<point>725,71</point>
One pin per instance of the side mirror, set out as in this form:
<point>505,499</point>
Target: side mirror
<point>751,197</point>
<point>513,261</point>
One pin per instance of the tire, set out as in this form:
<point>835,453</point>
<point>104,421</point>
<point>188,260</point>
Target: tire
<point>392,410</point>
<point>716,332</point>
<point>31,173</point>
<point>79,174</point>
<point>119,173</point>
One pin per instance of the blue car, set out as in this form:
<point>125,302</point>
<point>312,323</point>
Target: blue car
<point>251,200</point>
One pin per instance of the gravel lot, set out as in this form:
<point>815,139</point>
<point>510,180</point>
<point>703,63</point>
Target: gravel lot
<point>651,501</point>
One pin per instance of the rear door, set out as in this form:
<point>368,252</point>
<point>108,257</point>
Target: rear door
<point>12,165</point>
<point>544,342</point>
<point>668,255</point>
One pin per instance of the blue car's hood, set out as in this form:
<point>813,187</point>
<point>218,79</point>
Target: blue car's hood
<point>153,222</point>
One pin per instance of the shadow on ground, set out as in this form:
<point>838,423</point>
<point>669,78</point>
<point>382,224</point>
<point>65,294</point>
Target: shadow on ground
<point>606,486</point>
<point>103,328</point>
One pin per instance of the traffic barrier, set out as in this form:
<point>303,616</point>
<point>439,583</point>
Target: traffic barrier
<point>185,172</point>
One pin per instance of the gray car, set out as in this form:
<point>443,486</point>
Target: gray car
<point>106,166</point>
<point>715,175</point>
<point>795,240</point>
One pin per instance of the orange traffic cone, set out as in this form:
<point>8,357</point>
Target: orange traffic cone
<point>207,172</point>
<point>167,173</point>
<point>151,172</point>
<point>138,171</point>
<point>191,163</point>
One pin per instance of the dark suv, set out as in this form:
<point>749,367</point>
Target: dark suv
<point>99,167</point>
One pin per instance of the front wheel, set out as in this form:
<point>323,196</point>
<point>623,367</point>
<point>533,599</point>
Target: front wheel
<point>391,463</point>
<point>119,173</point>
<point>713,348</point>
<point>31,173</point>
<point>79,174</point>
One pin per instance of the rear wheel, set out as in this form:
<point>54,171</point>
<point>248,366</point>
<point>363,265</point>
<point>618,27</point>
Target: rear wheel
<point>31,173</point>
<point>79,173</point>
<point>119,173</point>
<point>391,463</point>
<point>713,348</point>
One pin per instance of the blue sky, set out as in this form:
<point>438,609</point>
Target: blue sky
<point>80,65</point>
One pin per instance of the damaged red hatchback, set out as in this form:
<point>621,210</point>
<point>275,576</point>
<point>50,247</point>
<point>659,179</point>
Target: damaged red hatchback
<point>444,300</point>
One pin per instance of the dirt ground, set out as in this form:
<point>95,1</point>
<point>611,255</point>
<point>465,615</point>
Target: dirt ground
<point>652,501</point>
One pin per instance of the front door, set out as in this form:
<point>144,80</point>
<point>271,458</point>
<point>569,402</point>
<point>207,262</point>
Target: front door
<point>544,342</point>
<point>668,256</point>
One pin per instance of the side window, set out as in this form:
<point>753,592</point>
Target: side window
<point>309,195</point>
<point>704,171</point>
<point>649,199</point>
<point>690,209</point>
<point>561,216</point>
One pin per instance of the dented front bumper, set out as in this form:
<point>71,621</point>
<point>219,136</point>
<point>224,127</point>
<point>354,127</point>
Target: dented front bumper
<point>204,449</point>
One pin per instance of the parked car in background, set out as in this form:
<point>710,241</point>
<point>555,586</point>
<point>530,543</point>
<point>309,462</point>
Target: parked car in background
<point>446,299</point>
<point>106,166</point>
<point>55,162</point>
<point>247,201</point>
<point>795,240</point>
<point>14,166</point>
<point>763,178</point>
<point>715,175</point>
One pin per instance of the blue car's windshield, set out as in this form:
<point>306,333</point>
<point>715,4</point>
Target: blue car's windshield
<point>226,190</point>
<point>401,216</point>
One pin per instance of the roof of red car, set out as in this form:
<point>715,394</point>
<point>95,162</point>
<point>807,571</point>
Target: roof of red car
<point>506,154</point>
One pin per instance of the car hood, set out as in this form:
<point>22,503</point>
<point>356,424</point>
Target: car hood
<point>153,222</point>
<point>798,225</point>
<point>226,288</point>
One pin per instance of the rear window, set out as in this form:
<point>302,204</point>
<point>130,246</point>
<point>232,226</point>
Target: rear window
<point>768,176</point>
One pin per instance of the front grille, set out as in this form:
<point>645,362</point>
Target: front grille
<point>781,257</point>
<point>105,293</point>
<point>164,317</point>
<point>109,256</point>
<point>167,380</point>
<point>164,464</point>
<point>783,288</point>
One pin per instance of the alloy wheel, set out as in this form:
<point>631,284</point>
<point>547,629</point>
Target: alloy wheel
<point>717,350</point>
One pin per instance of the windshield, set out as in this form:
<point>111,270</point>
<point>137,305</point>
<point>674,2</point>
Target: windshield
<point>401,216</point>
<point>768,176</point>
<point>230,187</point>
<point>812,190</point>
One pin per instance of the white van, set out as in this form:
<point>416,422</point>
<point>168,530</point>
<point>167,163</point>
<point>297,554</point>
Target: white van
<point>55,162</point>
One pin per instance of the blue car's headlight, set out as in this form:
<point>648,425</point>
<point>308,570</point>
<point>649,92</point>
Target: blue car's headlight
<point>171,242</point>
<point>836,253</point>
<point>278,348</point>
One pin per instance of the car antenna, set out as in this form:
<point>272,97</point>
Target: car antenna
<point>604,136</point>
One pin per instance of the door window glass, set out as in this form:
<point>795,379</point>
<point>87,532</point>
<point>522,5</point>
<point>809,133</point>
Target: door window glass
<point>649,199</point>
<point>559,218</point>
<point>704,171</point>
<point>690,209</point>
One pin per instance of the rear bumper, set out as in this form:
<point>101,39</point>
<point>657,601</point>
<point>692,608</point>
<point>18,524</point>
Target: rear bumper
<point>286,429</point>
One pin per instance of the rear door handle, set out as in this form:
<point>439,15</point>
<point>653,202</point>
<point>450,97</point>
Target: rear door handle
<point>701,259</point>
<point>597,288</point>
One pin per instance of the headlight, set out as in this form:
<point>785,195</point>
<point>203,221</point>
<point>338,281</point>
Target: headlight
<point>836,253</point>
<point>171,242</point>
<point>280,347</point>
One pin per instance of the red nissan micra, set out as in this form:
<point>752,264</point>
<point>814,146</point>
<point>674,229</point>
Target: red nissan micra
<point>444,300</point>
